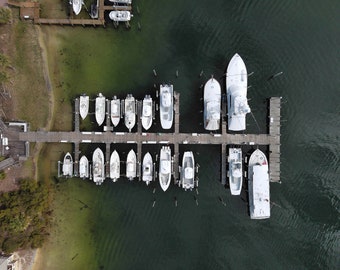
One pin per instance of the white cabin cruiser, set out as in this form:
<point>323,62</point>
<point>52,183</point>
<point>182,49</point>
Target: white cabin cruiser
<point>114,166</point>
<point>98,168</point>
<point>212,104</point>
<point>68,165</point>
<point>166,105</point>
<point>147,168</point>
<point>188,171</point>
<point>100,109</point>
<point>84,167</point>
<point>147,112</point>
<point>165,167</point>
<point>76,6</point>
<point>130,112</point>
<point>236,84</point>
<point>235,170</point>
<point>258,186</point>
<point>115,111</point>
<point>120,15</point>
<point>131,165</point>
<point>84,106</point>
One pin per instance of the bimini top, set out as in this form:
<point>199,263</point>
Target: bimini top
<point>236,85</point>
<point>258,186</point>
<point>212,105</point>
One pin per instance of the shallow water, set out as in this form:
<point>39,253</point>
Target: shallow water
<point>297,38</point>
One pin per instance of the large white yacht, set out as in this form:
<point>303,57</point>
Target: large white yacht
<point>84,106</point>
<point>166,105</point>
<point>235,170</point>
<point>258,186</point>
<point>188,171</point>
<point>114,166</point>
<point>131,166</point>
<point>100,109</point>
<point>68,165</point>
<point>147,112</point>
<point>236,84</point>
<point>98,168</point>
<point>115,110</point>
<point>120,15</point>
<point>76,6</point>
<point>212,104</point>
<point>147,168</point>
<point>130,112</point>
<point>165,167</point>
<point>84,167</point>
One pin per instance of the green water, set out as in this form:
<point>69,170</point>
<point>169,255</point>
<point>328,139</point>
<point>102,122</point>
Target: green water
<point>121,230</point>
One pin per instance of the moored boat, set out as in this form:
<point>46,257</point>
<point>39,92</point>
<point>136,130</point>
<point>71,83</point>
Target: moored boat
<point>166,105</point>
<point>115,111</point>
<point>114,166</point>
<point>147,168</point>
<point>100,109</point>
<point>127,2</point>
<point>212,104</point>
<point>130,112</point>
<point>131,166</point>
<point>68,165</point>
<point>84,167</point>
<point>235,170</point>
<point>188,171</point>
<point>147,112</point>
<point>258,186</point>
<point>236,84</point>
<point>165,168</point>
<point>84,106</point>
<point>76,6</point>
<point>98,168</point>
<point>120,15</point>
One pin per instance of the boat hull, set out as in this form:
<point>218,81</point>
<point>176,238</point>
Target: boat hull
<point>114,166</point>
<point>130,112</point>
<point>76,6</point>
<point>235,170</point>
<point>100,109</point>
<point>188,171</point>
<point>258,186</point>
<point>236,85</point>
<point>98,169</point>
<point>212,105</point>
<point>115,111</point>
<point>120,15</point>
<point>165,168</point>
<point>84,106</point>
<point>68,165</point>
<point>166,106</point>
<point>84,167</point>
<point>131,166</point>
<point>147,113</point>
<point>147,168</point>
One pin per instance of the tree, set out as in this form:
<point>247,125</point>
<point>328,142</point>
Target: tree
<point>5,15</point>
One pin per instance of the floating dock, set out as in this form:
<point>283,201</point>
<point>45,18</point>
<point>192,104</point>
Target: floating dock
<point>272,139</point>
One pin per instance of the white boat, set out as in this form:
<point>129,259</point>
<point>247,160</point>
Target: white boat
<point>235,170</point>
<point>127,2</point>
<point>212,104</point>
<point>100,109</point>
<point>84,167</point>
<point>120,15</point>
<point>76,5</point>
<point>188,171</point>
<point>84,106</point>
<point>131,166</point>
<point>147,112</point>
<point>258,186</point>
<point>147,168</point>
<point>165,168</point>
<point>68,165</point>
<point>114,166</point>
<point>236,84</point>
<point>98,167</point>
<point>166,105</point>
<point>115,111</point>
<point>130,112</point>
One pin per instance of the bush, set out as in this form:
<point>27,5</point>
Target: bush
<point>5,15</point>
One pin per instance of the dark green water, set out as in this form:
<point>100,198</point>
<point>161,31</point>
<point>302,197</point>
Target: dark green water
<point>300,38</point>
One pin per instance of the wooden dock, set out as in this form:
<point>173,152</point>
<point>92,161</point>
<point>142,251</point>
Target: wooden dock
<point>31,10</point>
<point>272,139</point>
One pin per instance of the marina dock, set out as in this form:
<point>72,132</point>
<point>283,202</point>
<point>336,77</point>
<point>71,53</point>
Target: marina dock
<point>272,139</point>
